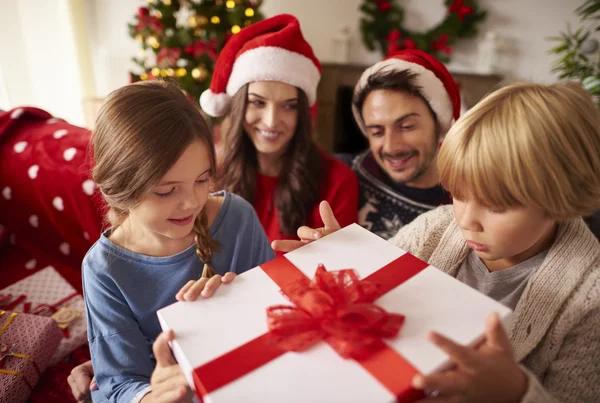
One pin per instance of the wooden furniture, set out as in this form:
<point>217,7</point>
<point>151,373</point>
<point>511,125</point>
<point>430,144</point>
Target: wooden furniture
<point>336,77</point>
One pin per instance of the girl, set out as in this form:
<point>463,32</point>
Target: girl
<point>265,81</point>
<point>154,163</point>
<point>523,167</point>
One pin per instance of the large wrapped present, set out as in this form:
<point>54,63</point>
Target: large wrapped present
<point>346,336</point>
<point>47,293</point>
<point>27,344</point>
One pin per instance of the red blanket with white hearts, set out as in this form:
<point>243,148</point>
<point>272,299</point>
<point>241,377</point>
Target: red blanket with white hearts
<point>50,209</point>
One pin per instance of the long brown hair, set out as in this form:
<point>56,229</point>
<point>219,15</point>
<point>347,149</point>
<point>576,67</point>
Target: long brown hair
<point>141,131</point>
<point>302,171</point>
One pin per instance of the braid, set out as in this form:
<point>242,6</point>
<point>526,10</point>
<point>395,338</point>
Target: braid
<point>205,244</point>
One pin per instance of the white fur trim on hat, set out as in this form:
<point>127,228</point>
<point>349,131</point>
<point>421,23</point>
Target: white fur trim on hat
<point>214,104</point>
<point>269,63</point>
<point>432,89</point>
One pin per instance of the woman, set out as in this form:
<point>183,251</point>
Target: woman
<point>265,81</point>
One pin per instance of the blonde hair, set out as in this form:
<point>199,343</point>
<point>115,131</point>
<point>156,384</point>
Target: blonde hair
<point>141,131</point>
<point>527,145</point>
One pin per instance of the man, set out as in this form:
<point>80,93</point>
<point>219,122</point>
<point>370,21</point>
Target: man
<point>404,105</point>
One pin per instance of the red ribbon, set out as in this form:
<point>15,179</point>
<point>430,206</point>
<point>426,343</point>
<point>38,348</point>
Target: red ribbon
<point>460,9</point>
<point>8,305</point>
<point>353,325</point>
<point>335,307</point>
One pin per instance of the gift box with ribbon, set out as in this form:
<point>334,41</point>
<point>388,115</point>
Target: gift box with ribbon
<point>27,344</point>
<point>47,293</point>
<point>343,319</point>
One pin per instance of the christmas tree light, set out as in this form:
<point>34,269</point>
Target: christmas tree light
<point>182,38</point>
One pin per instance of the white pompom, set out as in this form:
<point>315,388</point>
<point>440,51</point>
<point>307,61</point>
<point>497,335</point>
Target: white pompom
<point>213,104</point>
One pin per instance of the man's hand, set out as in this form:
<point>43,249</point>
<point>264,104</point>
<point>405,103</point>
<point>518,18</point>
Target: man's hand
<point>307,234</point>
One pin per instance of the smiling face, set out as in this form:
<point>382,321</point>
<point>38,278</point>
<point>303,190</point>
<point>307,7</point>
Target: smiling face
<point>168,211</point>
<point>403,136</point>
<point>271,116</point>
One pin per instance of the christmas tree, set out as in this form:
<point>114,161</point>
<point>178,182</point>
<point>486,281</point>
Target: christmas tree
<point>182,38</point>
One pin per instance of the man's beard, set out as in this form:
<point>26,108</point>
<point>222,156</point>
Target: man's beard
<point>430,159</point>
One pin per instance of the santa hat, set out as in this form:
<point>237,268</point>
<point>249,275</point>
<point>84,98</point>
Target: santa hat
<point>435,82</point>
<point>269,50</point>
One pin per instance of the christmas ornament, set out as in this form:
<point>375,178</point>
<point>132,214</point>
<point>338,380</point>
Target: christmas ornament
<point>382,29</point>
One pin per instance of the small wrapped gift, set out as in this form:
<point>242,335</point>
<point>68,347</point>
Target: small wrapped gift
<point>47,293</point>
<point>27,344</point>
<point>343,319</point>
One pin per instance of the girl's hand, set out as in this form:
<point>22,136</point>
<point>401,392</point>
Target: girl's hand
<point>307,234</point>
<point>488,373</point>
<point>168,382</point>
<point>204,287</point>
<point>82,382</point>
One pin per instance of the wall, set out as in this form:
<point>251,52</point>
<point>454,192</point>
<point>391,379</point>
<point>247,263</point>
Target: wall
<point>523,25</point>
<point>43,63</point>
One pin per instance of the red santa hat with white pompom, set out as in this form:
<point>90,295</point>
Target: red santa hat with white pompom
<point>433,79</point>
<point>270,50</point>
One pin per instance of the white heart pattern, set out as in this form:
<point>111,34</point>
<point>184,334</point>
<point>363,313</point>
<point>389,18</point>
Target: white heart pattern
<point>34,221</point>
<point>33,171</point>
<point>69,154</point>
<point>60,133</point>
<point>52,120</point>
<point>16,114</point>
<point>13,239</point>
<point>30,265</point>
<point>88,187</point>
<point>65,248</point>
<point>20,146</point>
<point>7,193</point>
<point>86,236</point>
<point>58,204</point>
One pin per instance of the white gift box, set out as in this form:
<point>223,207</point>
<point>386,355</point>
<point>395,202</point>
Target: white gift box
<point>206,330</point>
<point>48,287</point>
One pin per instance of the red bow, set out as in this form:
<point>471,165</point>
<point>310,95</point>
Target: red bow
<point>383,5</point>
<point>145,20</point>
<point>441,44</point>
<point>392,39</point>
<point>168,55</point>
<point>336,307</point>
<point>202,46</point>
<point>460,9</point>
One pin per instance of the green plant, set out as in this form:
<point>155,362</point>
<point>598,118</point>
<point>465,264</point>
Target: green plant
<point>578,53</point>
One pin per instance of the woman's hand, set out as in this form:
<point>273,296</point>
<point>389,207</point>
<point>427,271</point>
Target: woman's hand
<point>204,287</point>
<point>488,373</point>
<point>169,385</point>
<point>307,234</point>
